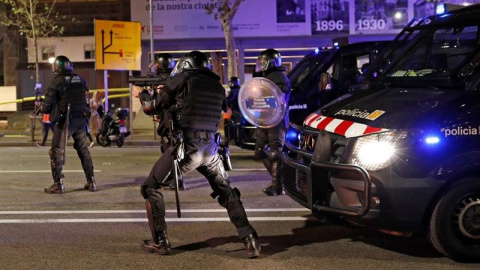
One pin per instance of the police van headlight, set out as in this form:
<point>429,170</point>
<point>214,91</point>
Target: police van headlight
<point>375,152</point>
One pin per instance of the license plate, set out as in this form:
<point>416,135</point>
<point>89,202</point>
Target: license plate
<point>123,130</point>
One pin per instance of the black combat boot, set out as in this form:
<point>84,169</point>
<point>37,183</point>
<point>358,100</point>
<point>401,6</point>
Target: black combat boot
<point>56,188</point>
<point>252,245</point>
<point>161,246</point>
<point>91,185</point>
<point>276,187</point>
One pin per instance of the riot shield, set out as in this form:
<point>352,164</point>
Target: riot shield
<point>262,102</point>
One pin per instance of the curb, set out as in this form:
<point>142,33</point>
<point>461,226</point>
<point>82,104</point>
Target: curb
<point>30,143</point>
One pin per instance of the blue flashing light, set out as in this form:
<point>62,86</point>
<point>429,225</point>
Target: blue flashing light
<point>291,135</point>
<point>335,44</point>
<point>440,8</point>
<point>317,50</point>
<point>432,139</point>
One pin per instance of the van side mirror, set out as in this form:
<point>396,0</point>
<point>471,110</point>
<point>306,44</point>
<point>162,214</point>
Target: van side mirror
<point>325,83</point>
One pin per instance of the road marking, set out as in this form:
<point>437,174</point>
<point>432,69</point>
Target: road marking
<point>45,171</point>
<point>130,220</point>
<point>81,171</point>
<point>143,211</point>
<point>249,169</point>
<point>73,155</point>
<point>15,136</point>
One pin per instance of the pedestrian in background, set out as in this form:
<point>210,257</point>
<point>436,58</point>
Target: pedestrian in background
<point>47,126</point>
<point>87,124</point>
<point>94,118</point>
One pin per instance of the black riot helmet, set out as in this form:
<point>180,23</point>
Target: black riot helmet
<point>165,61</point>
<point>234,82</point>
<point>192,60</point>
<point>195,60</point>
<point>268,59</point>
<point>62,65</point>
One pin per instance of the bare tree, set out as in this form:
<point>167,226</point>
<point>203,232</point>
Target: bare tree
<point>33,19</point>
<point>225,10</point>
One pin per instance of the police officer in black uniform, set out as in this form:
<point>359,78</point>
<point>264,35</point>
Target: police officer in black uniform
<point>269,65</point>
<point>67,89</point>
<point>162,67</point>
<point>196,95</point>
<point>232,102</point>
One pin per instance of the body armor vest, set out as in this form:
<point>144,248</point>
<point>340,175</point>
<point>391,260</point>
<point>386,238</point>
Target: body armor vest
<point>280,79</point>
<point>200,104</point>
<point>73,92</point>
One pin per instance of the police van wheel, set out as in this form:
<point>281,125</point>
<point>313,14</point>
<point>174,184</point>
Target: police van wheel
<point>455,223</point>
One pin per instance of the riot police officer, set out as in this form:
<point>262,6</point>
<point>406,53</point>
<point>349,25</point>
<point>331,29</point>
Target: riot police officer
<point>196,96</point>
<point>269,65</point>
<point>162,67</point>
<point>67,90</point>
<point>231,123</point>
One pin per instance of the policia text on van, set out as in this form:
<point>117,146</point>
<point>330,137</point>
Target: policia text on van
<point>402,155</point>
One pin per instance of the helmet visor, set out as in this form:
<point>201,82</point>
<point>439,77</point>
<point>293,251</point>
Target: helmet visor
<point>153,67</point>
<point>262,64</point>
<point>178,68</point>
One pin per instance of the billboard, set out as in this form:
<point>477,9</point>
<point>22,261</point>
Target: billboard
<point>188,19</point>
<point>179,19</point>
<point>380,16</point>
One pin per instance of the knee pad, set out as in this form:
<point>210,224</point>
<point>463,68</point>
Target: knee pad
<point>228,199</point>
<point>259,153</point>
<point>144,192</point>
<point>151,195</point>
<point>234,201</point>
<point>237,193</point>
<point>274,155</point>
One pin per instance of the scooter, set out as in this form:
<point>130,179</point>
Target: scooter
<point>113,130</point>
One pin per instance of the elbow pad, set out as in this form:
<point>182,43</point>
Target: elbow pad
<point>149,107</point>
<point>144,96</point>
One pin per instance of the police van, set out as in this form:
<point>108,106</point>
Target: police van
<point>402,155</point>
<point>343,63</point>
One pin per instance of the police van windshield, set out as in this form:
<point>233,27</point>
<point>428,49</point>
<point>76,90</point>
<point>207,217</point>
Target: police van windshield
<point>310,66</point>
<point>439,56</point>
<point>432,52</point>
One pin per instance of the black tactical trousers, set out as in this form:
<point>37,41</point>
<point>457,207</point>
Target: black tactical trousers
<point>76,129</point>
<point>274,137</point>
<point>202,155</point>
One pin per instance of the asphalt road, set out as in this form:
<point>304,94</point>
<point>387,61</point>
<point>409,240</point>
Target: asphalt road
<point>103,230</point>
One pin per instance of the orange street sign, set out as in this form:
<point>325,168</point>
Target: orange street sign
<point>118,45</point>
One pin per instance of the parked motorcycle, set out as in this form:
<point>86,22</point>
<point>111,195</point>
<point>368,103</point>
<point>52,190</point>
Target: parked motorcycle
<point>113,130</point>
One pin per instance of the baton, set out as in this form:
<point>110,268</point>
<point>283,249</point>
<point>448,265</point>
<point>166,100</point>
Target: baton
<point>175,165</point>
<point>177,196</point>
<point>64,138</point>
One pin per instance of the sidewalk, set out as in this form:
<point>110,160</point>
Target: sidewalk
<point>21,139</point>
